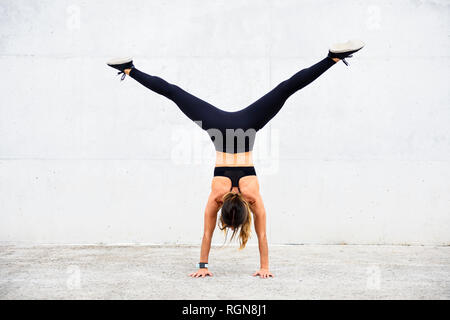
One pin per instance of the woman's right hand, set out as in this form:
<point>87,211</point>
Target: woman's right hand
<point>202,272</point>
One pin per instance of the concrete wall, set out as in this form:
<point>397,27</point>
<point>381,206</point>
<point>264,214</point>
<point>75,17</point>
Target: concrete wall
<point>362,155</point>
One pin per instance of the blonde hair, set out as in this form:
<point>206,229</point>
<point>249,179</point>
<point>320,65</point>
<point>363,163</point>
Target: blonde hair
<point>245,227</point>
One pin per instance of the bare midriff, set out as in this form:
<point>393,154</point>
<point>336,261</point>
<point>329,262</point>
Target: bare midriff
<point>243,159</point>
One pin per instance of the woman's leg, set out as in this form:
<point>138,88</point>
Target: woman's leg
<point>193,107</point>
<point>261,111</point>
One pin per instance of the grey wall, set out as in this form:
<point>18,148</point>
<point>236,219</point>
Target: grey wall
<point>362,155</point>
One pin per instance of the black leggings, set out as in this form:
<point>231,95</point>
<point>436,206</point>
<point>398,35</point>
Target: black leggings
<point>246,121</point>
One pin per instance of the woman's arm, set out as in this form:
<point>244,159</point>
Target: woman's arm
<point>250,191</point>
<point>210,218</point>
<point>259,214</point>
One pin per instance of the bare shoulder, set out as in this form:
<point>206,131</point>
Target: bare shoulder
<point>249,186</point>
<point>219,187</point>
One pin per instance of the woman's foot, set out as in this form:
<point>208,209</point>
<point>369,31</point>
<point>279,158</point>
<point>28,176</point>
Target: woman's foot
<point>345,50</point>
<point>124,65</point>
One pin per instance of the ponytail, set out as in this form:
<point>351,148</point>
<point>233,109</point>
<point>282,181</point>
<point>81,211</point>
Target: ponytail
<point>245,227</point>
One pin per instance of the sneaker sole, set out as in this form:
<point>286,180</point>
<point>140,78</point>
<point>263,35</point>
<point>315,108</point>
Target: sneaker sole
<point>119,61</point>
<point>352,45</point>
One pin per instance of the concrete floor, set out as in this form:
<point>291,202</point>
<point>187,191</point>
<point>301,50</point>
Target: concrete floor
<point>160,272</point>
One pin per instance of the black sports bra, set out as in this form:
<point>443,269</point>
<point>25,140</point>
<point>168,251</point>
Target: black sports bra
<point>234,174</point>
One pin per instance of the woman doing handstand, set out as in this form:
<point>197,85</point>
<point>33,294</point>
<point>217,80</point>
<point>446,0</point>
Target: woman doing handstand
<point>235,187</point>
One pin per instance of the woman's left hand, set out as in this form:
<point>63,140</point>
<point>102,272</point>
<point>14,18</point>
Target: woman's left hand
<point>263,273</point>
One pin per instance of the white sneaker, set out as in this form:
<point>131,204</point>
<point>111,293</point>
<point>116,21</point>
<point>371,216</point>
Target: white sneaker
<point>345,49</point>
